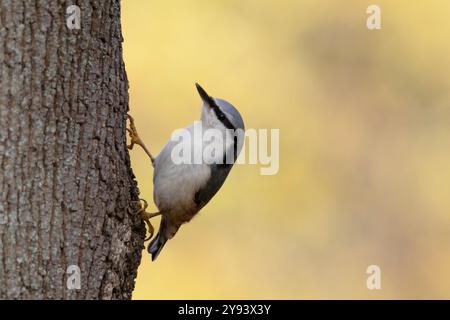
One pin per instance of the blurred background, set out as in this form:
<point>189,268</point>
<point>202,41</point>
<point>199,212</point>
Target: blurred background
<point>364,121</point>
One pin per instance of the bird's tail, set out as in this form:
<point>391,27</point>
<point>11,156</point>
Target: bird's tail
<point>167,230</point>
<point>156,245</point>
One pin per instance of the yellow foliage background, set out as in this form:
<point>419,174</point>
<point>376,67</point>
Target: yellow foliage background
<point>364,123</point>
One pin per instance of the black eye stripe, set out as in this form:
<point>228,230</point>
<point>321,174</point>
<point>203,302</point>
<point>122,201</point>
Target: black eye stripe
<point>222,117</point>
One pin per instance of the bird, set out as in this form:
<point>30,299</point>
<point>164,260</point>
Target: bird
<point>181,190</point>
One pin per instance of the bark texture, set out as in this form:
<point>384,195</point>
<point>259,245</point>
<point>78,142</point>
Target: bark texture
<point>65,177</point>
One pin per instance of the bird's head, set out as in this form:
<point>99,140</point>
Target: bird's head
<point>218,113</point>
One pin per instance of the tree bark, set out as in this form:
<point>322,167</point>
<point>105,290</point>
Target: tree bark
<point>66,185</point>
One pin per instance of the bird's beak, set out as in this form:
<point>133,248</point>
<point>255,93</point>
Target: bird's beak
<point>207,99</point>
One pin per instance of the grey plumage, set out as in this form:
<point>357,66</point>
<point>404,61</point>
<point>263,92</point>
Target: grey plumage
<point>181,190</point>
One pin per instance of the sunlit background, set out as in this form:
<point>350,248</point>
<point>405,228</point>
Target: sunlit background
<point>364,121</point>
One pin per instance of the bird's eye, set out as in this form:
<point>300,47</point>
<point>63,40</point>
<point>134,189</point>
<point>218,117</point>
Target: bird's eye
<point>221,116</point>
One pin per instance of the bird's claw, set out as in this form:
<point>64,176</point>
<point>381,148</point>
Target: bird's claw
<point>146,216</point>
<point>135,139</point>
<point>151,229</point>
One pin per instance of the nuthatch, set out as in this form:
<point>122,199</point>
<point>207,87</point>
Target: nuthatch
<point>182,189</point>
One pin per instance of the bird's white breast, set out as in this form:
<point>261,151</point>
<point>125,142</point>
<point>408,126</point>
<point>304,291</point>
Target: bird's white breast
<point>176,184</point>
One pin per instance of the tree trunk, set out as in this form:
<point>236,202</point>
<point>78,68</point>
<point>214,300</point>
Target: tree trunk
<point>65,177</point>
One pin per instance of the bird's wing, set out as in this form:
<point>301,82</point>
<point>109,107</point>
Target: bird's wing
<point>219,173</point>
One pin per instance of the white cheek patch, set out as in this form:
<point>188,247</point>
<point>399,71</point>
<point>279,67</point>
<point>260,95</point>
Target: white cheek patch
<point>210,120</point>
<point>213,146</point>
<point>213,122</point>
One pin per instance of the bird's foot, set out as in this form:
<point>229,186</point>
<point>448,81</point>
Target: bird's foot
<point>135,139</point>
<point>146,216</point>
